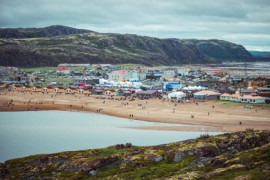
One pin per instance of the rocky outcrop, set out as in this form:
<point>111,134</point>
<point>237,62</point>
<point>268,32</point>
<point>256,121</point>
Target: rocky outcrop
<point>236,155</point>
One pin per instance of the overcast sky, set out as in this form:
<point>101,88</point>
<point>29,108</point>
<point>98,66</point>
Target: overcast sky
<point>245,22</point>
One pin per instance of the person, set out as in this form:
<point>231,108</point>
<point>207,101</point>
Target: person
<point>240,123</point>
<point>213,106</point>
<point>208,113</point>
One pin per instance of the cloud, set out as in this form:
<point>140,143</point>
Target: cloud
<point>245,21</point>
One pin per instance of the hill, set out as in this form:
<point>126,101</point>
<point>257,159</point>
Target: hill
<point>91,47</point>
<point>240,155</point>
<point>50,31</point>
<point>260,55</point>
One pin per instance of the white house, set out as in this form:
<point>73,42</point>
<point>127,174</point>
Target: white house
<point>177,95</point>
<point>120,75</point>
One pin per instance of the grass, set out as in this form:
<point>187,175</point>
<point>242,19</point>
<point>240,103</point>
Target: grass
<point>38,69</point>
<point>147,170</point>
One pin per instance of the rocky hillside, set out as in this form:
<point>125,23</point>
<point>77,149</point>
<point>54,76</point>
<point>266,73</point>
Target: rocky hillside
<point>241,155</point>
<point>50,31</point>
<point>92,47</point>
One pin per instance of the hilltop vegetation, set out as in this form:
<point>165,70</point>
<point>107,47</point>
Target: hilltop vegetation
<point>241,155</point>
<point>36,48</point>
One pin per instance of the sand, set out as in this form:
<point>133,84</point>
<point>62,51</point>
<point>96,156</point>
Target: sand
<point>224,117</point>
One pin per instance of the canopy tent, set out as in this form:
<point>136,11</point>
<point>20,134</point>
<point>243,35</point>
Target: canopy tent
<point>177,95</point>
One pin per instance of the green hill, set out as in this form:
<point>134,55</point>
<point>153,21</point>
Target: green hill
<point>240,155</point>
<point>91,47</point>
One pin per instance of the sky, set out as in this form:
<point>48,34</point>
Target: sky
<point>245,22</point>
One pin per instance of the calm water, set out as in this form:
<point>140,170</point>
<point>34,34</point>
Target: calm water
<point>29,133</point>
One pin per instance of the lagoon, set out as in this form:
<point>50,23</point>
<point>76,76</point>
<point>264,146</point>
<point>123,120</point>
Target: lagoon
<point>28,133</point>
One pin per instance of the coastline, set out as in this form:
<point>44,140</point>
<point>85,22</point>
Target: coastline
<point>222,118</point>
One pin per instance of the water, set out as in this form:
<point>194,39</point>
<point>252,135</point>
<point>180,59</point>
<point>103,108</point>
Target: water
<point>28,133</point>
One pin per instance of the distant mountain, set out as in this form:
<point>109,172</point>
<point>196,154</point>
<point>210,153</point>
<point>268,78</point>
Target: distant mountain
<point>260,54</point>
<point>50,31</point>
<point>59,44</point>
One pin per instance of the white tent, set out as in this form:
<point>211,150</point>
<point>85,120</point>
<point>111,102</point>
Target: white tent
<point>177,95</point>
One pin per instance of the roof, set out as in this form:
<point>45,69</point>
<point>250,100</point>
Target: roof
<point>63,68</point>
<point>207,92</point>
<point>213,69</point>
<point>248,90</point>
<point>225,95</point>
<point>252,97</point>
<point>146,92</point>
<point>236,95</point>
<point>263,89</point>
<point>123,72</point>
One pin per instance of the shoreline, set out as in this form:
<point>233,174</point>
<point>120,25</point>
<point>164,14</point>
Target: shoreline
<point>221,118</point>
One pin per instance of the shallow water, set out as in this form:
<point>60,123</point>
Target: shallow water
<point>29,133</point>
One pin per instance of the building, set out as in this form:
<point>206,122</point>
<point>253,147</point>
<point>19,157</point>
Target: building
<point>147,94</point>
<point>264,92</point>
<point>120,75</point>
<point>173,85</point>
<point>252,99</point>
<point>249,91</point>
<point>206,95</point>
<point>63,70</point>
<point>74,65</point>
<point>177,95</point>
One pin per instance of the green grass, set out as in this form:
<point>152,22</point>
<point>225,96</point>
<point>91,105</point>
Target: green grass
<point>38,69</point>
<point>147,169</point>
<point>128,66</point>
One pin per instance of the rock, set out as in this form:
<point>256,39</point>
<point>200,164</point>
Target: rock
<point>119,146</point>
<point>245,177</point>
<point>153,157</point>
<point>128,145</point>
<point>92,173</point>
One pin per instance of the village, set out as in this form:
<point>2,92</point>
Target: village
<point>183,83</point>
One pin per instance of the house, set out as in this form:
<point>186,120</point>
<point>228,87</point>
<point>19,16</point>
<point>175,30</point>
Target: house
<point>110,92</point>
<point>64,70</point>
<point>147,94</point>
<point>230,97</point>
<point>264,92</point>
<point>257,83</point>
<point>248,91</point>
<point>28,88</point>
<point>47,90</point>
<point>252,99</point>
<point>80,91</point>
<point>70,91</point>
<point>212,71</point>
<point>225,97</point>
<point>59,90</point>
<point>206,95</point>
<point>13,88</point>
<point>23,89</point>
<point>173,85</point>
<point>120,75</point>
<point>97,92</point>
<point>37,89</point>
<point>125,93</point>
<point>177,95</point>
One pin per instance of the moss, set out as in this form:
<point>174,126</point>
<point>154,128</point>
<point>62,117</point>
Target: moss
<point>149,170</point>
<point>256,173</point>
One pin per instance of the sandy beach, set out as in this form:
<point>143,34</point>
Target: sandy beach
<point>223,116</point>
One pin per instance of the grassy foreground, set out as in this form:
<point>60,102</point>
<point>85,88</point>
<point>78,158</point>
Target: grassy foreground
<point>240,155</point>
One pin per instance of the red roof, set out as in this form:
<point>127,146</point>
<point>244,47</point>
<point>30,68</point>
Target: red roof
<point>63,68</point>
<point>123,72</point>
